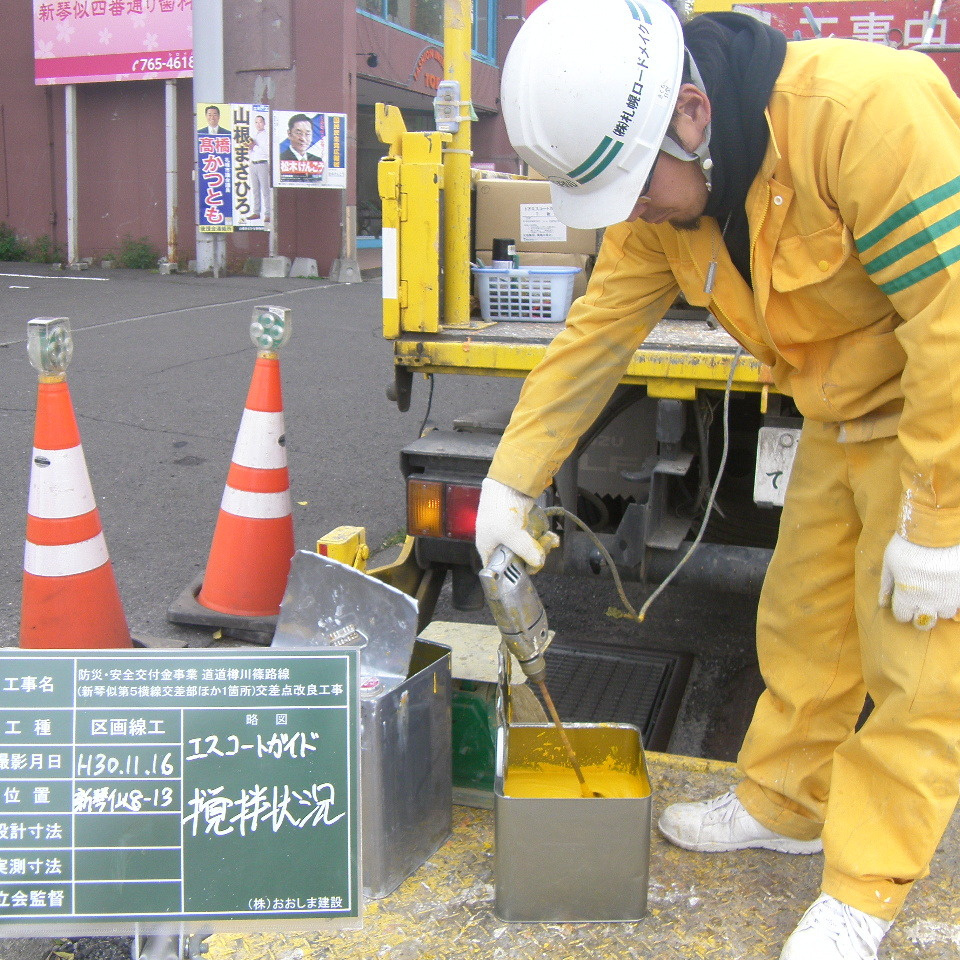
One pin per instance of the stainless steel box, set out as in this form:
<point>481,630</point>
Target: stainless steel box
<point>576,859</point>
<point>406,792</point>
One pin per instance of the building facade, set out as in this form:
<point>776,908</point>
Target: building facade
<point>333,56</point>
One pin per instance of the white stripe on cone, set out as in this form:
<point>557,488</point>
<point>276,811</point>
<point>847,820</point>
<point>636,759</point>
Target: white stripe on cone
<point>258,441</point>
<point>59,485</point>
<point>256,506</point>
<point>66,560</point>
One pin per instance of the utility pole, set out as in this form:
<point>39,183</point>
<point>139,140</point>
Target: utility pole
<point>208,87</point>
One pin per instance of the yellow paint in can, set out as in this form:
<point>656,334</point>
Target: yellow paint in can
<point>550,780</point>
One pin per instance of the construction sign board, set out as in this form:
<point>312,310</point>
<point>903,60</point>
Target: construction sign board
<point>212,788</point>
<point>897,23</point>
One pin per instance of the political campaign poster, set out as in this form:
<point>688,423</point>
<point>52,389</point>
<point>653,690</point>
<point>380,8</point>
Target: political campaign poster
<point>309,149</point>
<point>86,41</point>
<point>252,185</point>
<point>214,167</point>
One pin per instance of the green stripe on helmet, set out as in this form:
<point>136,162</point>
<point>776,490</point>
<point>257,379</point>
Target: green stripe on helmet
<point>597,162</point>
<point>638,11</point>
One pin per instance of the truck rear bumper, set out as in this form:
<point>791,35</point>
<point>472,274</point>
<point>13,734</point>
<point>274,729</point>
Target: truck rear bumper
<point>714,566</point>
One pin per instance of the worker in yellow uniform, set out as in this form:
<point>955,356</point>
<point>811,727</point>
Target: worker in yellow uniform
<point>808,194</point>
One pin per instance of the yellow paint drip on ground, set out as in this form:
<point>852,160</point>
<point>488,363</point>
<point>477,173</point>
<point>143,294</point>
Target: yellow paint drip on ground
<point>731,908</point>
<point>555,781</point>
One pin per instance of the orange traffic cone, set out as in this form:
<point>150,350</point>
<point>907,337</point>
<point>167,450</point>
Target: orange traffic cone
<point>249,560</point>
<point>70,596</point>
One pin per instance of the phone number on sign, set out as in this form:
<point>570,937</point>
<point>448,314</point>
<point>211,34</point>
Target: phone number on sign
<point>174,61</point>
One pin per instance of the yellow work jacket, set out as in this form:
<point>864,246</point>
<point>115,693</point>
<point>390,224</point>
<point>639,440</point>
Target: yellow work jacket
<point>855,260</point>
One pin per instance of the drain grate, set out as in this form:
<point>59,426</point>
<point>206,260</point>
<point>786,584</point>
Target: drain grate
<point>614,684</point>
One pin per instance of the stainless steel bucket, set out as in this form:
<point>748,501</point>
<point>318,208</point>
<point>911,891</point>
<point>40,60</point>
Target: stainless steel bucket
<point>571,859</point>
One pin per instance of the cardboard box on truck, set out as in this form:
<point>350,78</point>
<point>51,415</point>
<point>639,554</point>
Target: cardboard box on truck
<point>521,210</point>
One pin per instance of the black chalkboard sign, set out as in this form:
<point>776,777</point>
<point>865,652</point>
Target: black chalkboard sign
<point>188,785</point>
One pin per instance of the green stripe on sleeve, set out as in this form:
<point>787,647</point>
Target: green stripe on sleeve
<point>908,212</point>
<point>915,242</point>
<point>922,272</point>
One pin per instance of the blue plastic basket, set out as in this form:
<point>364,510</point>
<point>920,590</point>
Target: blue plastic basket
<point>528,293</point>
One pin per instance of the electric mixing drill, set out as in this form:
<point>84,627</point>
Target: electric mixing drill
<point>522,621</point>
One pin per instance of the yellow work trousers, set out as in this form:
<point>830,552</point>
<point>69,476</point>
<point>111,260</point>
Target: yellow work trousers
<point>881,796</point>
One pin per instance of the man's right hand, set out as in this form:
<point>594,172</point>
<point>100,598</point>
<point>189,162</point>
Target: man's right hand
<point>501,517</point>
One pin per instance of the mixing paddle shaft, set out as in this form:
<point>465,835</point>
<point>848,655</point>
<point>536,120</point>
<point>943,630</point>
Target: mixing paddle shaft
<point>585,791</point>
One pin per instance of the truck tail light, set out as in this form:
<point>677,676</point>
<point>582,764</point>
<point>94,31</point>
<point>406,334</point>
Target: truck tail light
<point>444,510</point>
<point>425,508</point>
<point>462,505</point>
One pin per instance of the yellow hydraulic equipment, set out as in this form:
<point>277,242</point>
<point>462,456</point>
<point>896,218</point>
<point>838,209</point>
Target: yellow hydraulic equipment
<point>410,179</point>
<point>347,545</point>
<point>665,372</point>
<point>457,43</point>
<point>425,185</point>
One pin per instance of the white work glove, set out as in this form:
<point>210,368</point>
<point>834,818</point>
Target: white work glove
<point>923,583</point>
<point>501,516</point>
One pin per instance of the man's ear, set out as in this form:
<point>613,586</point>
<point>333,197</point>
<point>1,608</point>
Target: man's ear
<point>690,116</point>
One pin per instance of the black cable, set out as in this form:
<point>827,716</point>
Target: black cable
<point>426,416</point>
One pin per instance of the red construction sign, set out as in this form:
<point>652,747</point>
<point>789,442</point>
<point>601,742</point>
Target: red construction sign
<point>897,23</point>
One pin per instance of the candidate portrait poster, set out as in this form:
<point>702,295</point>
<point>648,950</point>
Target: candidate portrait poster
<point>214,167</point>
<point>252,200</point>
<point>309,149</point>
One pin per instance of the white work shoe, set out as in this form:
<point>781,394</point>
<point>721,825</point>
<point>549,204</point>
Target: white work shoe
<point>830,930</point>
<point>721,824</point>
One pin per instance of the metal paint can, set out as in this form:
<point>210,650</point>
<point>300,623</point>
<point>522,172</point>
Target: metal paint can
<point>571,859</point>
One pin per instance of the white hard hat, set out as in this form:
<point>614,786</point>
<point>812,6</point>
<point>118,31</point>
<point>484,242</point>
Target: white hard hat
<point>587,94</point>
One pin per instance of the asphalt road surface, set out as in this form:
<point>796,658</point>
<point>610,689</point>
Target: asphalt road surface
<point>160,370</point>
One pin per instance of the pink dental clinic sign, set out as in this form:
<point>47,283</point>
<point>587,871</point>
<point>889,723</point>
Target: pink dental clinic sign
<point>84,41</point>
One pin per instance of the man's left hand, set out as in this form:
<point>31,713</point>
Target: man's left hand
<point>922,584</point>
